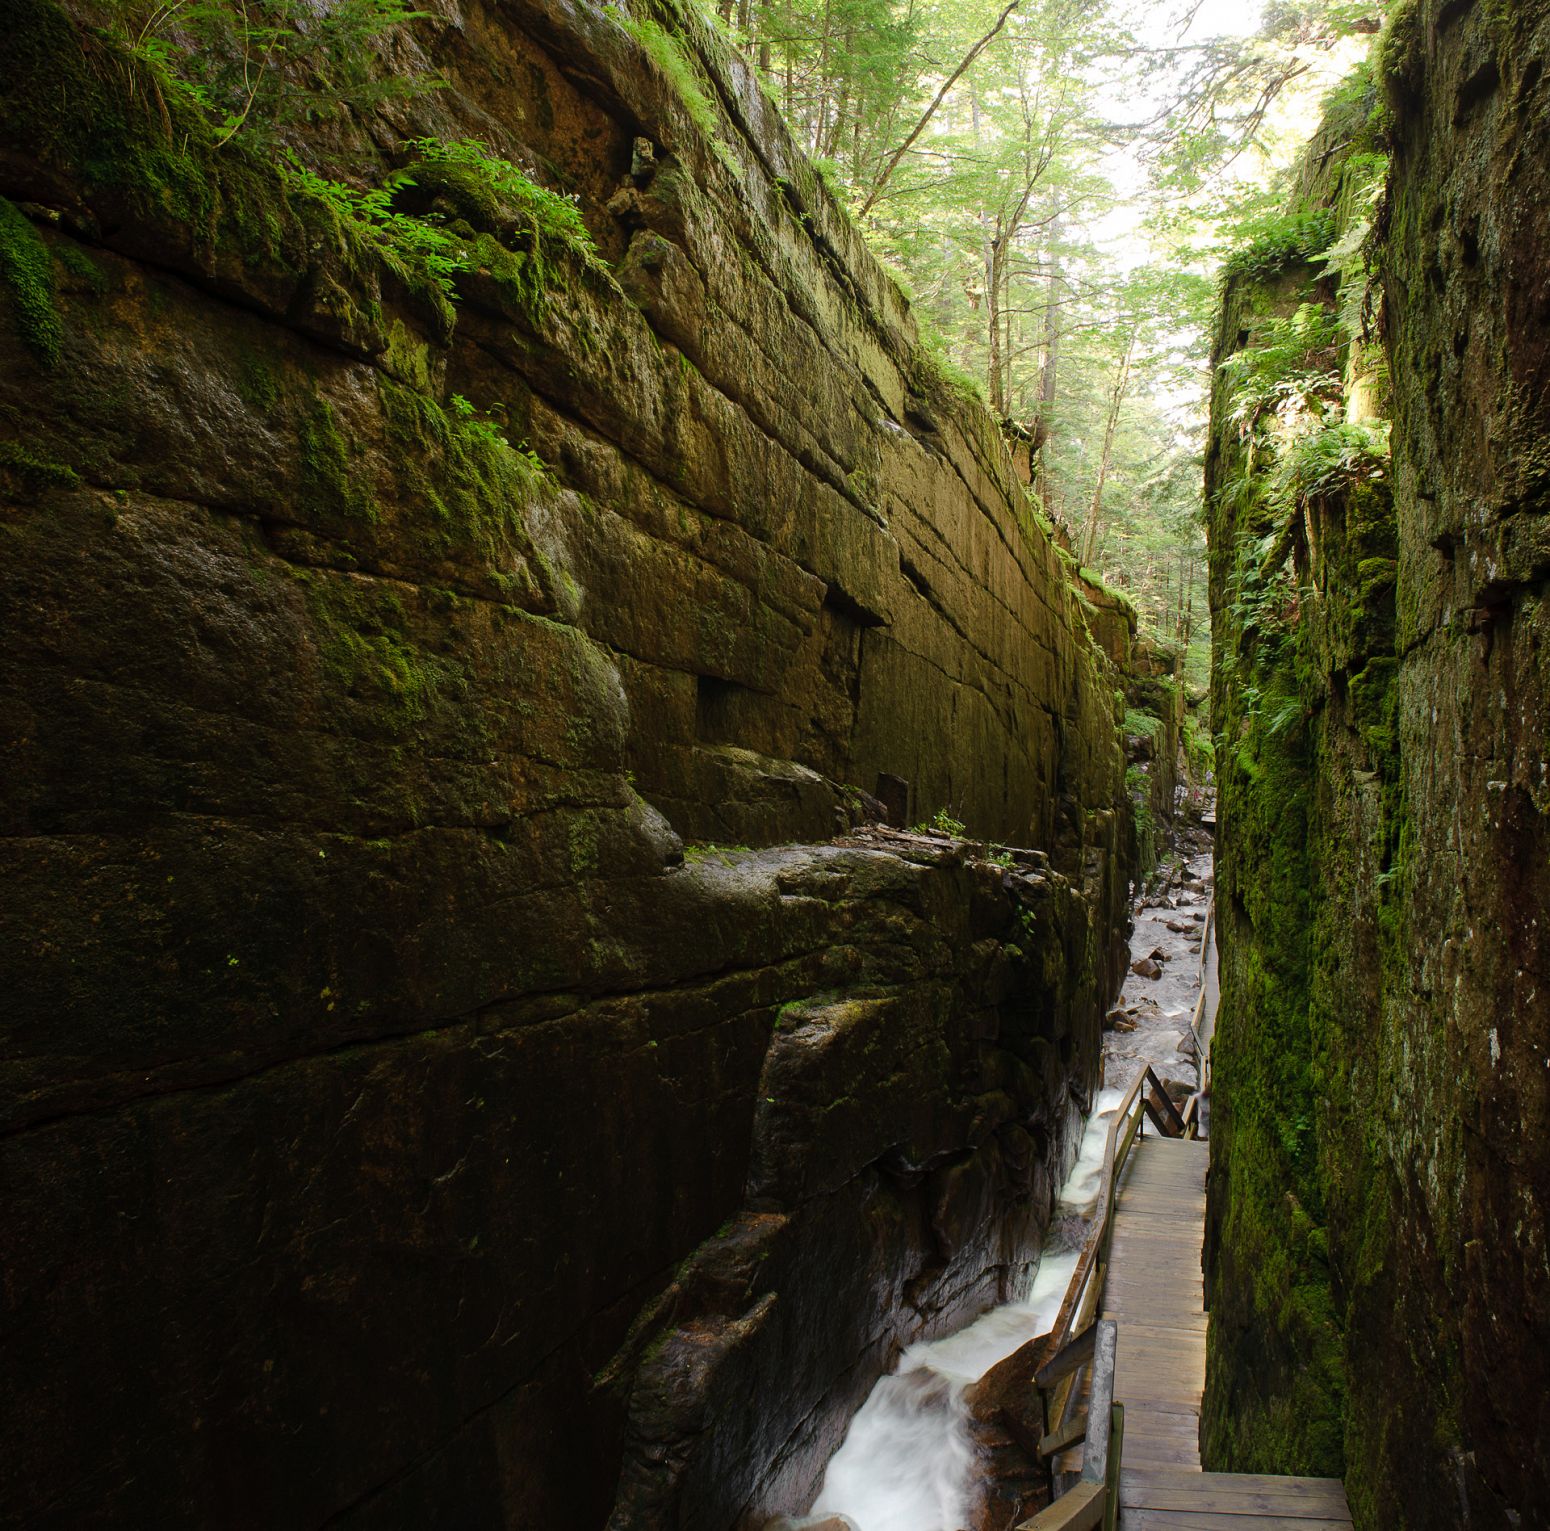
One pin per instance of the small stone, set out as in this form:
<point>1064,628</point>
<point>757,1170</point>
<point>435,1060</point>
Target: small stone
<point>1146,967</point>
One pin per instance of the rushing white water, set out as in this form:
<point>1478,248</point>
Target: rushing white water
<point>907,1463</point>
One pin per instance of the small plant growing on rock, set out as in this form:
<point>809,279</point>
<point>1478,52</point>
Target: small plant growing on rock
<point>941,823</point>
<point>467,417</point>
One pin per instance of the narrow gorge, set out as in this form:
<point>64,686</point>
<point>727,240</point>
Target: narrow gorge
<point>592,825</point>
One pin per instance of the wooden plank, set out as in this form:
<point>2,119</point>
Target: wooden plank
<point>1169,1324</point>
<point>1166,1381</point>
<point>1158,1396</point>
<point>1152,1442</point>
<point>1173,1458</point>
<point>1074,1430</point>
<point>1198,1520</point>
<point>1207,1500</point>
<point>1164,1417</point>
<point>1184,1375</point>
<point>1074,1354</point>
<point>1158,1392</point>
<point>1164,1441</point>
<point>1144,1430</point>
<point>1176,1419</point>
<point>1080,1510</point>
<point>1179,1347</point>
<point>1290,1482</point>
<point>1234,1493</point>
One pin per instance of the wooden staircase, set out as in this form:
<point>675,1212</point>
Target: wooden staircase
<point>1154,1294</point>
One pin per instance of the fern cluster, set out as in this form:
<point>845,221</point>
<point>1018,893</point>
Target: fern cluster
<point>260,67</point>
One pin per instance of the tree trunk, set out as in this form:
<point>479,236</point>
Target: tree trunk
<point>1116,399</point>
<point>930,111</point>
<point>1042,486</point>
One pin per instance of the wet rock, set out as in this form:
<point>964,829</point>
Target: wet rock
<point>1146,967</point>
<point>1005,1396</point>
<point>811,1523</point>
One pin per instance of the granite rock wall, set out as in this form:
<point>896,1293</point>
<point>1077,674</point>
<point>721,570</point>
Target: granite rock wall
<point>1376,1248</point>
<point>401,1125</point>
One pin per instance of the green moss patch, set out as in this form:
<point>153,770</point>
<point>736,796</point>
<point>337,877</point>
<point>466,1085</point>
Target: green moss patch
<point>28,273</point>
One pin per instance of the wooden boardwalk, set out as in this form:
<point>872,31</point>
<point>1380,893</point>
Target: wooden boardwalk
<point>1154,1291</point>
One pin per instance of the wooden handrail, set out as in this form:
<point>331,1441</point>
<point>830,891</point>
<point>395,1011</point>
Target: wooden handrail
<point>1159,1104</point>
<point>1071,1358</point>
<point>1116,1151</point>
<point>1093,1502</point>
<point>1078,1336</point>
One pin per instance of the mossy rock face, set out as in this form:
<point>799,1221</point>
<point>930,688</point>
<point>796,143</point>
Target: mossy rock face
<point>27,272</point>
<point>1379,822</point>
<point>1296,856</point>
<point>371,660</point>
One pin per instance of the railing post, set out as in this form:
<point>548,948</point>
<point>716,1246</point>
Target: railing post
<point>1116,1459</point>
<point>1100,1404</point>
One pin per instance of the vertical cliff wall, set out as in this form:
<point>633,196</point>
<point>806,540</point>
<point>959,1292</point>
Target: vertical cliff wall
<point>1377,1260</point>
<point>401,1126</point>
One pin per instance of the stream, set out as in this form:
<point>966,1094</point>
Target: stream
<point>909,1461</point>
